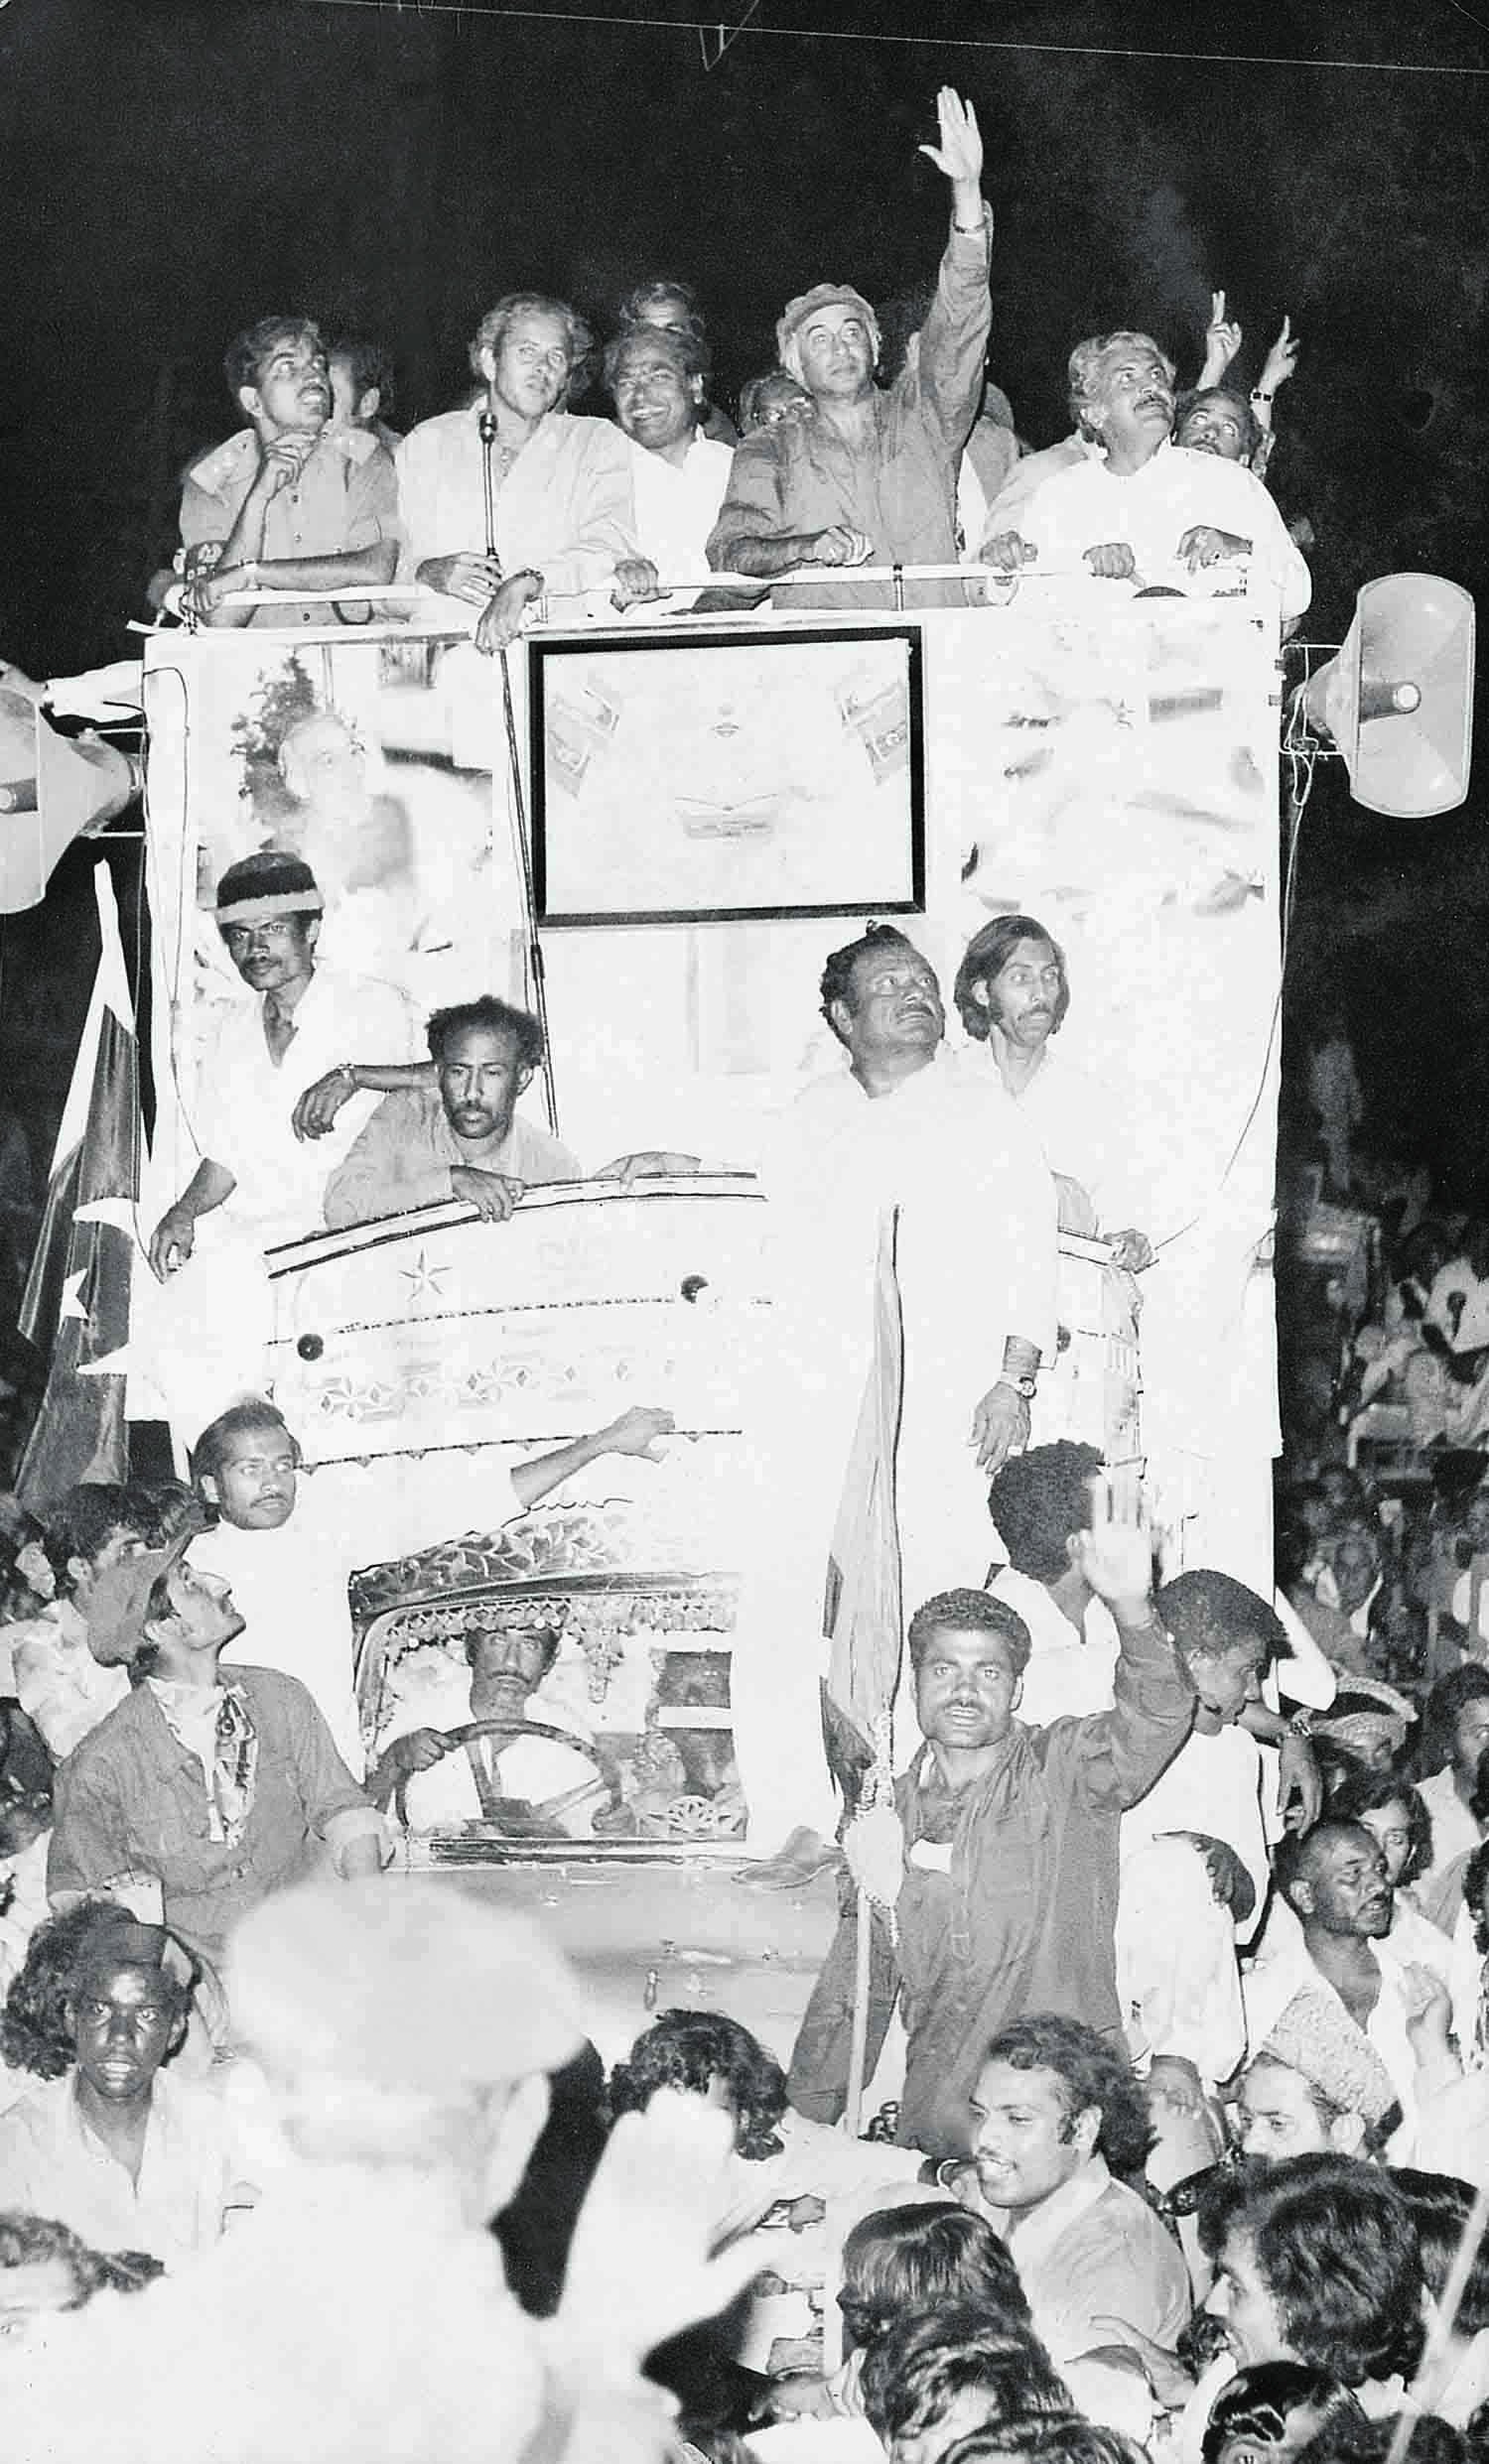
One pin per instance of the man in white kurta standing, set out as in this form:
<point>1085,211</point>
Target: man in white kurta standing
<point>256,1180</point>
<point>975,1261</point>
<point>679,474</point>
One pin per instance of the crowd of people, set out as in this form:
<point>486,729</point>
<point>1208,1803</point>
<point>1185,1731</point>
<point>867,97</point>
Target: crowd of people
<point>871,443</point>
<point>1142,2102</point>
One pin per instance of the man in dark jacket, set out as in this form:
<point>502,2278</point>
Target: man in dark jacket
<point>1008,1889</point>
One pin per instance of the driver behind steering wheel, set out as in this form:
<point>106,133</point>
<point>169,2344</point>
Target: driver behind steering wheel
<point>531,1786</point>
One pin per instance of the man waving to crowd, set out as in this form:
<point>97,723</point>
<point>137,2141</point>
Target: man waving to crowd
<point>871,476</point>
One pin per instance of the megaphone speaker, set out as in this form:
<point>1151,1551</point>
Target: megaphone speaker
<point>53,790</point>
<point>1397,700</point>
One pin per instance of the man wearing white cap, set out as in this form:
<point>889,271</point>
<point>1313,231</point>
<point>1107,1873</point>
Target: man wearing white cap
<point>871,476</point>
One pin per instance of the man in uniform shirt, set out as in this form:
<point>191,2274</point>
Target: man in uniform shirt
<point>289,503</point>
<point>871,476</point>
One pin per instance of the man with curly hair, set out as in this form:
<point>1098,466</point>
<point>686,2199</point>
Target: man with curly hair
<point>461,1138</point>
<point>1058,2115</point>
<point>292,503</point>
<point>124,2153</point>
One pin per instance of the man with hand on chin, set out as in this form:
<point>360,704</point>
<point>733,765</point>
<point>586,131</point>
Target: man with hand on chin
<point>288,503</point>
<point>561,484</point>
<point>1006,1896</point>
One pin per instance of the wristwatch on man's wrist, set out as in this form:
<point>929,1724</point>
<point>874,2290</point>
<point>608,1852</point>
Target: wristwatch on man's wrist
<point>1028,1387</point>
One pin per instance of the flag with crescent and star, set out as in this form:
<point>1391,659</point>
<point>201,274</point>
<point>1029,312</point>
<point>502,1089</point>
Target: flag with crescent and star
<point>77,1299</point>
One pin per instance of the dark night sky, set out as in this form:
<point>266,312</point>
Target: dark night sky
<point>173,168</point>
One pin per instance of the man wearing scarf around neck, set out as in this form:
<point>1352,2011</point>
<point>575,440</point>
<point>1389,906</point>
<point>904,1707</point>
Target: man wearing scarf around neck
<point>1007,1893</point>
<point>202,1791</point>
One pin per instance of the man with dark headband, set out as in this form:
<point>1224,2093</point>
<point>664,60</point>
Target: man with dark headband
<point>303,1020</point>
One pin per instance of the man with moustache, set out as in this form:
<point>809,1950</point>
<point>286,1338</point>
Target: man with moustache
<point>1013,992</point>
<point>1007,1892</point>
<point>562,484</point>
<point>461,1137</point>
<point>289,503</point>
<point>301,1018</point>
<point>1334,1879</point>
<point>207,1789</point>
<point>288,1563</point>
<point>655,380</point>
<point>1146,506</point>
<point>893,1150</point>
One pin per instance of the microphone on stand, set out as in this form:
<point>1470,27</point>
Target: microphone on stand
<point>487,430</point>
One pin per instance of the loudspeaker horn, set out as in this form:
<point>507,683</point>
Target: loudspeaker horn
<point>53,789</point>
<point>1397,700</point>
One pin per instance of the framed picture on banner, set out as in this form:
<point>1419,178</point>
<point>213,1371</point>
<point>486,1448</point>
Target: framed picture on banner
<point>694,778</point>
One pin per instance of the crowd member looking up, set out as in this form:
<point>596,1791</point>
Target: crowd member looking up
<point>1013,992</point>
<point>678,473</point>
<point>939,2372</point>
<point>292,503</point>
<point>1040,1504</point>
<point>1273,2408</point>
<point>459,1138</point>
<point>301,1017</point>
<point>1314,2087</point>
<point>361,386</point>
<point>1223,342</point>
<point>202,1791</point>
<point>288,1562</point>
<point>870,477</point>
<point>65,1687</point>
<point>764,401</point>
<point>114,2142</point>
<point>1454,1735</point>
<point>1007,1893</point>
<point>1146,504</point>
<point>1058,2114</point>
<point>406,2040</point>
<point>563,507</point>
<point>667,307</point>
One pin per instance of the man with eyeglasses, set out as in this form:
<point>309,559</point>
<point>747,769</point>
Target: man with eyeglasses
<point>562,484</point>
<point>301,1024</point>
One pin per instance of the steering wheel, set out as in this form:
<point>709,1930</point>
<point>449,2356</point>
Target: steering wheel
<point>511,1731</point>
